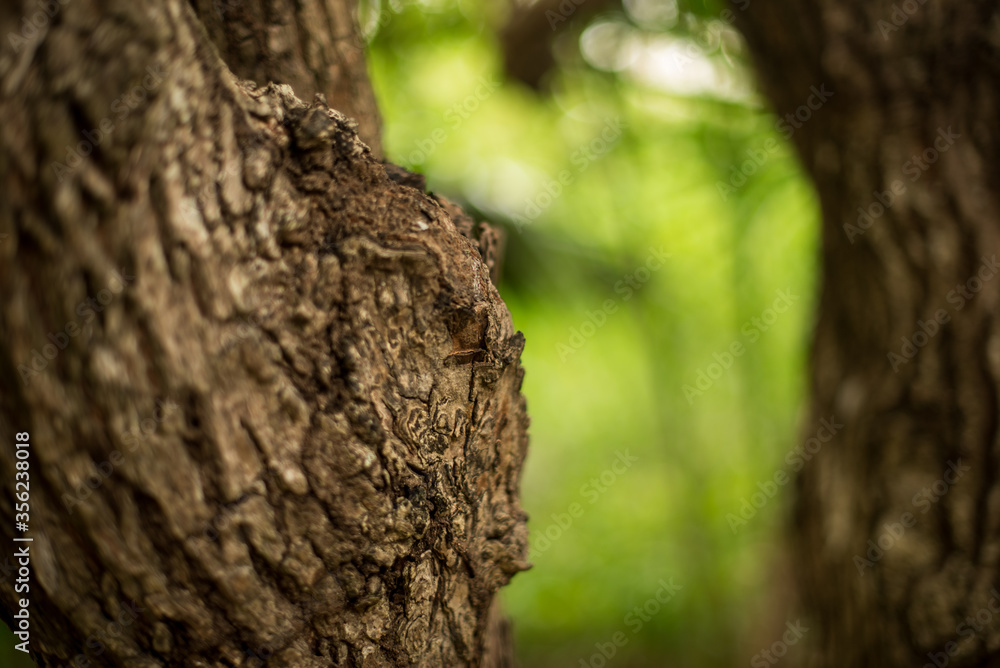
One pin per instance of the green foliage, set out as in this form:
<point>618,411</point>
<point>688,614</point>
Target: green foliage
<point>650,186</point>
<point>653,185</point>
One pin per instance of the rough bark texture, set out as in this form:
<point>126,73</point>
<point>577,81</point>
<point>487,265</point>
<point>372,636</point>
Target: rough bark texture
<point>272,393</point>
<point>897,85</point>
<point>311,45</point>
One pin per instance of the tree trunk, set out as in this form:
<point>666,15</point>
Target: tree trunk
<point>271,393</point>
<point>896,522</point>
<point>311,45</point>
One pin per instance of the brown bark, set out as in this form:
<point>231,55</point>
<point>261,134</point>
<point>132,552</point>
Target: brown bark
<point>311,45</point>
<point>530,35</point>
<point>272,394</point>
<point>898,87</point>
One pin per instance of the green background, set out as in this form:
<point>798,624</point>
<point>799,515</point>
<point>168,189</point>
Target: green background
<point>648,112</point>
<point>678,79</point>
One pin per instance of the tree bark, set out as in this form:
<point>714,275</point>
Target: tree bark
<point>311,45</point>
<point>273,396</point>
<point>529,37</point>
<point>896,522</point>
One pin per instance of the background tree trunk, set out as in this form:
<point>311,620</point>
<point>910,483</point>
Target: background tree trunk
<point>909,136</point>
<point>273,396</point>
<point>311,45</point>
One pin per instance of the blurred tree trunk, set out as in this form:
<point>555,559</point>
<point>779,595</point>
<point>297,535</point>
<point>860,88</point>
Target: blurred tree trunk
<point>272,394</point>
<point>896,525</point>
